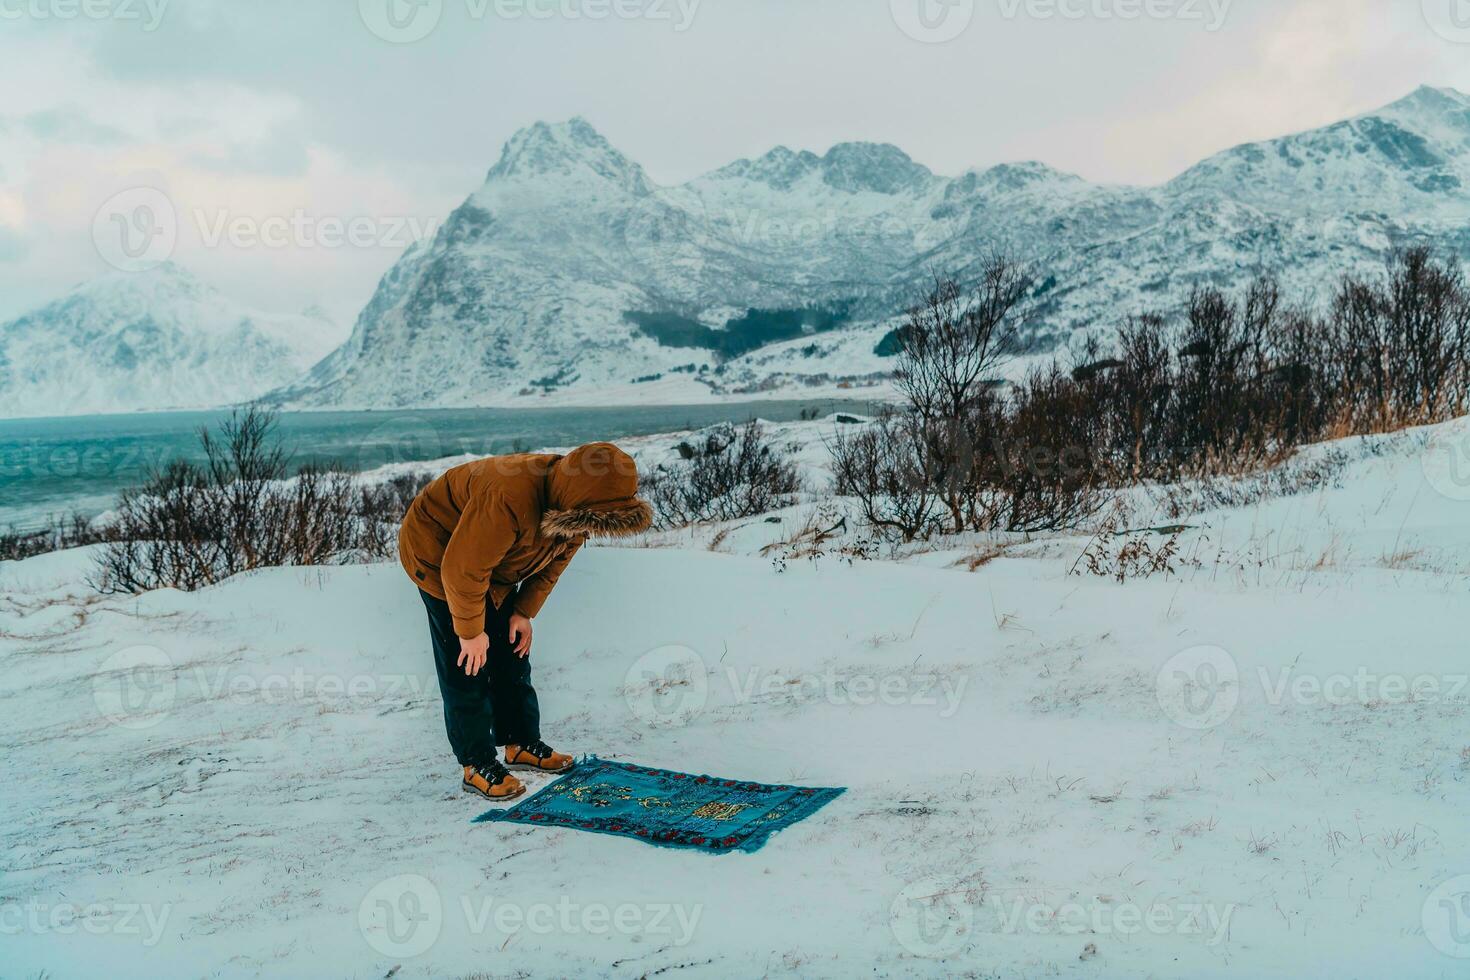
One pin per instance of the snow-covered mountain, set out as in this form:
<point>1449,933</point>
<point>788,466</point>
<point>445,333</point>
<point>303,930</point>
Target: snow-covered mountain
<point>570,272</point>
<point>159,339</point>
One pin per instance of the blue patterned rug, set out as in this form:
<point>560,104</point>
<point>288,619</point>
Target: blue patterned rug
<point>665,808</point>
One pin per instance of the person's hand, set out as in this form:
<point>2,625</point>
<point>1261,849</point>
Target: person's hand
<point>520,634</point>
<point>472,654</point>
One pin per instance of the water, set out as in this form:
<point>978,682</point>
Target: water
<point>55,465</point>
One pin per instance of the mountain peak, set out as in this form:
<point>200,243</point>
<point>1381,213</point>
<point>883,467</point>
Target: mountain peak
<point>1429,110</point>
<point>878,167</point>
<point>853,167</point>
<point>1021,174</point>
<point>1419,140</point>
<point>571,148</point>
<point>165,280</point>
<point>1430,97</point>
<point>780,168</point>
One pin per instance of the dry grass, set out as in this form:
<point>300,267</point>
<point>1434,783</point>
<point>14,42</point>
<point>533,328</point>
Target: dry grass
<point>982,556</point>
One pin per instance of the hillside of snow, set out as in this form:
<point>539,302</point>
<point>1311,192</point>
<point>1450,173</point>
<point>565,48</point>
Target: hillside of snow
<point>569,276</point>
<point>1258,766</point>
<point>149,341</point>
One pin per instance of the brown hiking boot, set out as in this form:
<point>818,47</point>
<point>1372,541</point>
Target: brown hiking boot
<point>492,782</point>
<point>539,756</point>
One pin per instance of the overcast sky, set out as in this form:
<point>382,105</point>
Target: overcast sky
<point>309,110</point>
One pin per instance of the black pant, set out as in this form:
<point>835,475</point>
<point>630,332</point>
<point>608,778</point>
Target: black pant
<point>496,707</point>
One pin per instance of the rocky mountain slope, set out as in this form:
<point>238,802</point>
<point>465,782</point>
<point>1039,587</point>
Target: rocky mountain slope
<point>569,272</point>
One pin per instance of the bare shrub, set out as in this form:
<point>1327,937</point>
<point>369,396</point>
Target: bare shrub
<point>1049,474</point>
<point>192,525</point>
<point>380,510</point>
<point>952,346</point>
<point>960,456</point>
<point>1131,394</point>
<point>1203,398</point>
<point>1233,390</point>
<point>732,474</point>
<point>889,467</point>
<point>1219,419</point>
<point>58,533</point>
<point>1300,379</point>
<point>1242,383</point>
<point>1399,347</point>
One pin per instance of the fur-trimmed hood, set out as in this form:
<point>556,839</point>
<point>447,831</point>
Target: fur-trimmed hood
<point>607,521</point>
<point>593,491</point>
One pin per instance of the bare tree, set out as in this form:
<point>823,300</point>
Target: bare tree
<point>952,347</point>
<point>1427,306</point>
<point>1400,346</point>
<point>956,339</point>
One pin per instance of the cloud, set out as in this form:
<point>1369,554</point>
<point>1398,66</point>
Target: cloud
<point>280,152</point>
<point>71,125</point>
<point>13,247</point>
<point>276,106</point>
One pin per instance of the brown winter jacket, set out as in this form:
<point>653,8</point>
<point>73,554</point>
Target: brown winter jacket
<point>485,526</point>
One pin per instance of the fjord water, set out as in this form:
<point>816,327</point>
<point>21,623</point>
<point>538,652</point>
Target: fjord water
<point>50,466</point>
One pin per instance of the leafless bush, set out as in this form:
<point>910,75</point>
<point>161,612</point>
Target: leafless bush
<point>733,473</point>
<point>952,347</point>
<point>1131,393</point>
<point>1204,398</point>
<point>1049,474</point>
<point>890,468</point>
<point>1219,418</point>
<point>1242,383</point>
<point>1400,347</point>
<point>1234,389</point>
<point>191,525</point>
<point>380,510</point>
<point>73,531</point>
<point>959,456</point>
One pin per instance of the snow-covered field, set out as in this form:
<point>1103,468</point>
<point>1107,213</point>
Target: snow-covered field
<point>1258,766</point>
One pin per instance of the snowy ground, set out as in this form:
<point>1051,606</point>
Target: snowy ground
<point>1256,767</point>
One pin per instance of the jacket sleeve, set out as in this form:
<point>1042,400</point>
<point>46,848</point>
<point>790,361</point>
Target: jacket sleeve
<point>536,589</point>
<point>485,532</point>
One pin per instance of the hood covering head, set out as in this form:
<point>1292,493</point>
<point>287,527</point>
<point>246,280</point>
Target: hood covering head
<point>593,491</point>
